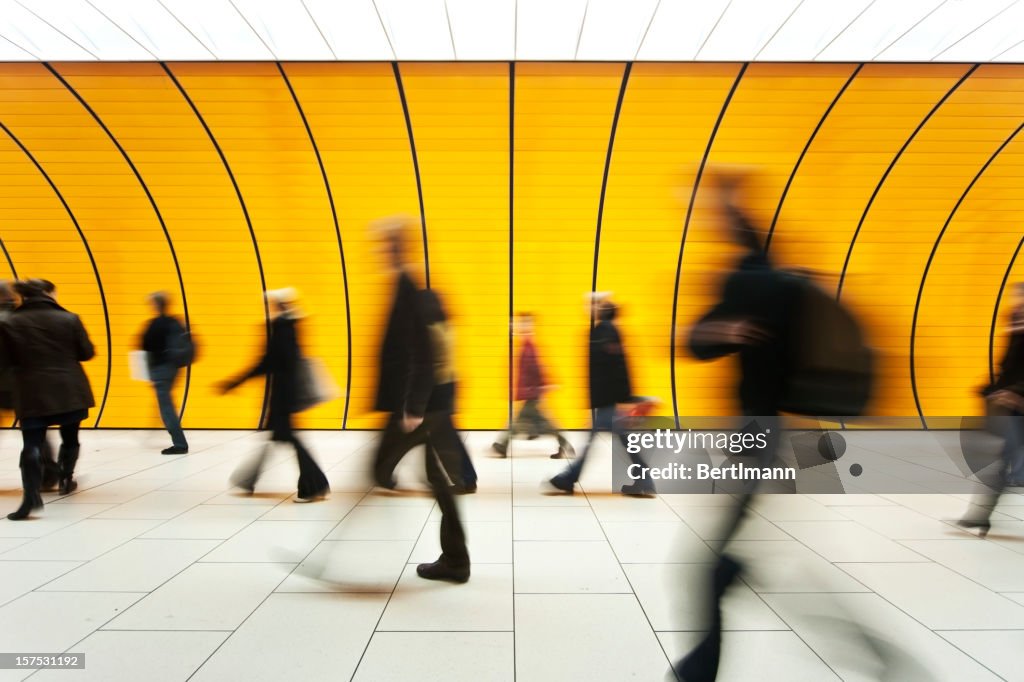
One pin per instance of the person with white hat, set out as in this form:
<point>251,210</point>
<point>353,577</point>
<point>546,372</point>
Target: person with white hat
<point>281,364</point>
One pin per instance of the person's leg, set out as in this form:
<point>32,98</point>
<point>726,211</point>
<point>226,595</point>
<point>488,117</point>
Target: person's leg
<point>248,474</point>
<point>546,427</point>
<point>515,426</point>
<point>68,457</point>
<point>979,510</point>
<point>603,418</point>
<point>31,473</point>
<point>1013,452</point>
<point>394,444</point>
<point>441,456</point>
<point>312,480</point>
<point>163,381</point>
<point>48,460</point>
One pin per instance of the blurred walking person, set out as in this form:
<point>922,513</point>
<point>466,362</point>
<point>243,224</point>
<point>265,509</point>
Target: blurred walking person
<point>45,345</point>
<point>417,387</point>
<point>530,388</point>
<point>609,387</point>
<point>168,348</point>
<point>1004,410</point>
<point>281,364</point>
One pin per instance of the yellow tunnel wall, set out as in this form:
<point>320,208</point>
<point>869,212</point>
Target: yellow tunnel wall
<point>897,185</point>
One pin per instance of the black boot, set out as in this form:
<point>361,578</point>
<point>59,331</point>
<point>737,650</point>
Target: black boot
<point>31,478</point>
<point>51,470</point>
<point>66,461</point>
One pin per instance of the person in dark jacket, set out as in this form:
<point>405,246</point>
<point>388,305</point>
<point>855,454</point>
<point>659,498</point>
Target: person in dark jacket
<point>530,387</point>
<point>609,387</point>
<point>280,364</point>
<point>45,344</point>
<point>417,386</point>
<point>163,340</point>
<point>753,320</point>
<point>1004,410</point>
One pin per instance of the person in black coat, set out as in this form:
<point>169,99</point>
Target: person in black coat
<point>281,365</point>
<point>609,387</point>
<point>417,387</point>
<point>45,345</point>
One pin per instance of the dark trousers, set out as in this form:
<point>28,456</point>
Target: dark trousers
<point>1009,426</point>
<point>445,458</point>
<point>312,480</point>
<point>395,443</point>
<point>533,423</point>
<point>163,377</point>
<point>701,664</point>
<point>605,419</point>
<point>35,465</point>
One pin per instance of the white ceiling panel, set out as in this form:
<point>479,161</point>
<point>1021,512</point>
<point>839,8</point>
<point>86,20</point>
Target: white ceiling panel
<point>746,27</point>
<point>153,27</point>
<point>991,38</point>
<point>419,29</point>
<point>33,35</point>
<point>86,26</point>
<point>286,27</point>
<point>483,30</point>
<point>879,26</point>
<point>943,27</point>
<point>810,29</point>
<point>219,26</point>
<point>549,29</point>
<point>500,30</point>
<point>613,29</point>
<point>352,28</point>
<point>679,29</point>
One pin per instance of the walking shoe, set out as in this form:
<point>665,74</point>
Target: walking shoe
<point>460,489</point>
<point>560,484</point>
<point>67,486</point>
<point>315,497</point>
<point>564,452</point>
<point>442,570</point>
<point>174,450</point>
<point>638,489</point>
<point>23,512</point>
<point>500,448</point>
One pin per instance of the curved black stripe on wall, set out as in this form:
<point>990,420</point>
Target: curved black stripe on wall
<point>511,220</point>
<point>14,270</point>
<point>800,159</point>
<point>415,168</point>
<point>88,251</point>
<point>337,232</point>
<point>607,168</point>
<point>892,165</point>
<point>931,257</point>
<point>995,312</point>
<point>245,212</point>
<point>156,209</point>
<point>686,229</point>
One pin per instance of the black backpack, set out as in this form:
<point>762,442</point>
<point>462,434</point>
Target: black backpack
<point>831,367</point>
<point>182,351</point>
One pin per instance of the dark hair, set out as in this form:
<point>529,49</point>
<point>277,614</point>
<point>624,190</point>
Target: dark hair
<point>607,311</point>
<point>160,300</point>
<point>29,288</point>
<point>46,286</point>
<point>527,314</point>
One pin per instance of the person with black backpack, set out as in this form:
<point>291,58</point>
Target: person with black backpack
<point>168,347</point>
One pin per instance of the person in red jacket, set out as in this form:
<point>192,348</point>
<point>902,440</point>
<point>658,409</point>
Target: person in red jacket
<point>530,387</point>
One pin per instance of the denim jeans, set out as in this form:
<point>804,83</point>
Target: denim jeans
<point>604,420</point>
<point>163,377</point>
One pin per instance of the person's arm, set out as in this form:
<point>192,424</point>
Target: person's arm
<point>86,351</point>
<point>420,359</point>
<point>261,368</point>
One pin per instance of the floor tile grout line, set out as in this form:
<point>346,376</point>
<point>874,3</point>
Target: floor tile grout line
<point>398,581</point>
<point>271,592</point>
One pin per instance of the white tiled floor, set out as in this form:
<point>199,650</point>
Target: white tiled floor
<point>157,570</point>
